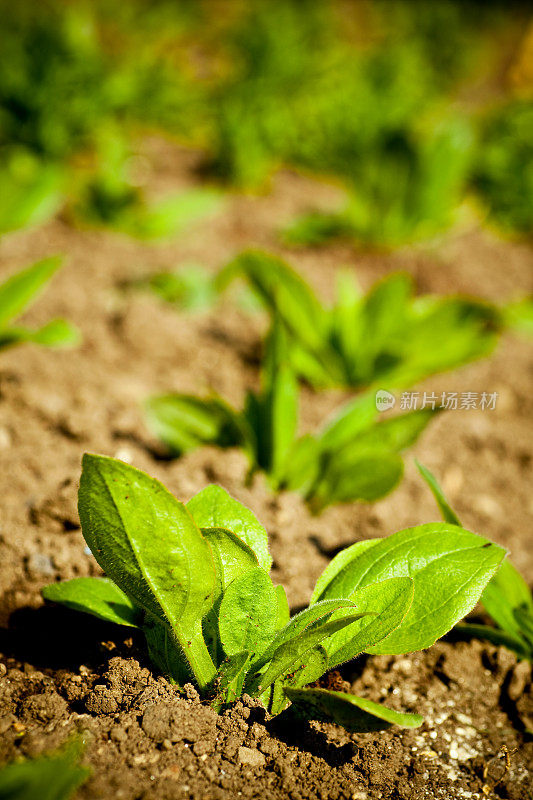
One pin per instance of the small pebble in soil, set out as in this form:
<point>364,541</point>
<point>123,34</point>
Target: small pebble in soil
<point>41,564</point>
<point>252,758</point>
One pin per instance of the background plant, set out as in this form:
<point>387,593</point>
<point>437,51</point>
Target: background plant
<point>195,579</point>
<point>386,336</point>
<point>16,293</point>
<point>52,776</point>
<point>507,598</point>
<point>353,457</point>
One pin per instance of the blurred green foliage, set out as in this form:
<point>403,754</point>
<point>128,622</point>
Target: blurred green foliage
<point>365,93</point>
<point>503,170</point>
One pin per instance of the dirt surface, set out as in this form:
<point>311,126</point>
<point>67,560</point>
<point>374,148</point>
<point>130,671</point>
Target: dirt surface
<point>61,672</point>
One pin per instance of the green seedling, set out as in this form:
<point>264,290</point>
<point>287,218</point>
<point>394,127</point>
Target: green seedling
<point>195,579</point>
<point>502,173</point>
<point>53,776</point>
<point>16,293</point>
<point>189,288</point>
<point>353,456</point>
<point>31,191</point>
<point>108,196</point>
<point>507,598</point>
<point>385,336</point>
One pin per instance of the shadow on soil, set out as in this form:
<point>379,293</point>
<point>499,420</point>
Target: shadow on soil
<point>53,638</point>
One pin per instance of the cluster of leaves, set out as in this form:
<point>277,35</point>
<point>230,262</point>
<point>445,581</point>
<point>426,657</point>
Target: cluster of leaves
<point>195,579</point>
<point>507,598</point>
<point>503,172</point>
<point>384,336</point>
<point>71,83</point>
<point>189,288</point>
<point>53,776</point>
<point>16,293</point>
<point>379,119</point>
<point>353,457</point>
<point>108,195</point>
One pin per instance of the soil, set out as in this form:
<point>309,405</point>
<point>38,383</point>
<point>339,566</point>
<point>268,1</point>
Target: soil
<point>60,672</point>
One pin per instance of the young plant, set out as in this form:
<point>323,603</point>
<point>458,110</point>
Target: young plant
<point>195,579</point>
<point>352,457</point>
<point>16,293</point>
<point>53,776</point>
<point>385,336</point>
<point>507,598</point>
<point>189,288</point>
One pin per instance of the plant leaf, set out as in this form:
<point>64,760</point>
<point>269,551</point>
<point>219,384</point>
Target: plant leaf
<point>390,600</point>
<point>21,288</point>
<point>282,290</point>
<point>53,776</point>
<point>353,474</point>
<point>337,564</point>
<point>213,507</point>
<point>100,597</point>
<point>448,514</point>
<point>347,424</point>
<point>283,614</point>
<point>231,676</point>
<point>248,613</point>
<point>279,406</point>
<point>450,568</point>
<point>506,593</point>
<point>233,557</point>
<point>148,543</point>
<point>184,422</point>
<point>296,639</point>
<point>352,712</point>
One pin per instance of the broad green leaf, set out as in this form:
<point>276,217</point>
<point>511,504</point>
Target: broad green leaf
<point>445,333</point>
<point>233,557</point>
<point>383,316</point>
<point>149,544</point>
<point>248,613</point>
<point>301,466</point>
<point>98,596</point>
<point>352,475</point>
<point>448,514</point>
<point>506,593</point>
<point>53,776</point>
<point>337,564</point>
<point>283,614</point>
<point>289,655</point>
<point>396,433</point>
<point>347,424</point>
<point>21,288</point>
<point>184,422</point>
<point>352,712</point>
<point>213,507</point>
<point>387,602</point>
<point>450,568</point>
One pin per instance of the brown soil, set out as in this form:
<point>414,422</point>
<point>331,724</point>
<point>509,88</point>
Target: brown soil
<point>60,672</point>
